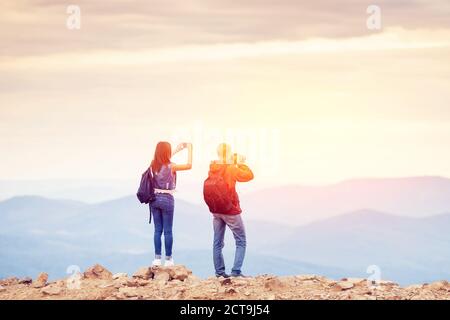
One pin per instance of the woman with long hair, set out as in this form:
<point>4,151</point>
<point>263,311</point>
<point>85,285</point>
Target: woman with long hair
<point>164,181</point>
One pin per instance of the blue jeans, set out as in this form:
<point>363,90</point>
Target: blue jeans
<point>162,211</point>
<point>236,225</point>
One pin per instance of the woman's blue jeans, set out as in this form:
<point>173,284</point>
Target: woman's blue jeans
<point>162,212</point>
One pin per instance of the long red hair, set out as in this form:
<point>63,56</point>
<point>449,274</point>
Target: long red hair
<point>163,153</point>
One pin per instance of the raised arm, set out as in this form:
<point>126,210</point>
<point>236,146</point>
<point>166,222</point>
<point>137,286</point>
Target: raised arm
<point>242,173</point>
<point>188,165</point>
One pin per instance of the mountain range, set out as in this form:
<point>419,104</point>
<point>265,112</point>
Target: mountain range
<point>39,234</point>
<point>408,197</point>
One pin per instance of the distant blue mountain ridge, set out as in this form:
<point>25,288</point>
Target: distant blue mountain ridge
<point>39,234</point>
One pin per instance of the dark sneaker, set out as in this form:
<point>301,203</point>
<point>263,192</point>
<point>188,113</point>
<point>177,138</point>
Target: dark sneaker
<point>240,275</point>
<point>223,275</point>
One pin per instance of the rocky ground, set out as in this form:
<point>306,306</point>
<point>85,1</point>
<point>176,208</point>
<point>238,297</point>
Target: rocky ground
<point>179,283</point>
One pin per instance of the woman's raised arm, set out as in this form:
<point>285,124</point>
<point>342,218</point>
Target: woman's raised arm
<point>188,165</point>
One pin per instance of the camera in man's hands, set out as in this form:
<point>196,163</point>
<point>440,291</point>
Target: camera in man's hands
<point>238,159</point>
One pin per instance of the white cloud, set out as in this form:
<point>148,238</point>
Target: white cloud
<point>32,27</point>
<point>391,39</point>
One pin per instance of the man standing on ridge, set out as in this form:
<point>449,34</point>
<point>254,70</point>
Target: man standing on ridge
<point>220,195</point>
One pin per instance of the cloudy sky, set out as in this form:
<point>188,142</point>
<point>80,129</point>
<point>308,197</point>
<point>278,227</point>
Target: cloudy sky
<point>304,88</point>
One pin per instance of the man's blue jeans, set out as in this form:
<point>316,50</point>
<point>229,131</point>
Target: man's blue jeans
<point>236,225</point>
<point>162,212</point>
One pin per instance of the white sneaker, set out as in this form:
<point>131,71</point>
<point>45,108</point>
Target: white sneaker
<point>156,263</point>
<point>169,263</point>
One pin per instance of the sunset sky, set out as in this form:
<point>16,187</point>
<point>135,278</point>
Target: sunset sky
<point>302,87</point>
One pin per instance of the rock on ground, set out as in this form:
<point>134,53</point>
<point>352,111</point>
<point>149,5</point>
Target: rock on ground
<point>41,280</point>
<point>26,280</point>
<point>178,282</point>
<point>52,291</point>
<point>144,273</point>
<point>9,281</point>
<point>179,272</point>
<point>97,272</point>
<point>121,275</point>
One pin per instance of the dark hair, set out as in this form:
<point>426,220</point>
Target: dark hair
<point>163,153</point>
